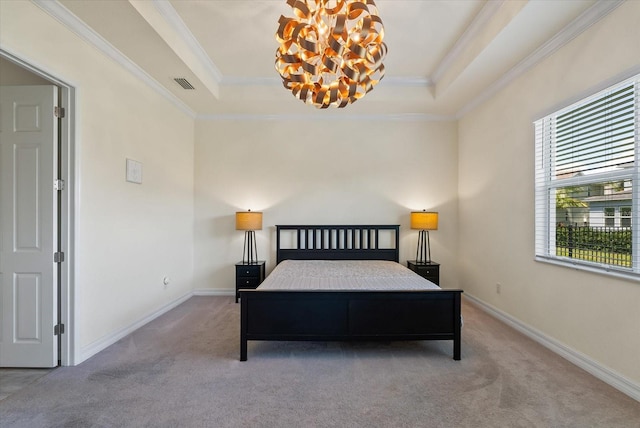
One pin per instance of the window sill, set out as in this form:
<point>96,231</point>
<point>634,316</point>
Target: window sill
<point>598,269</point>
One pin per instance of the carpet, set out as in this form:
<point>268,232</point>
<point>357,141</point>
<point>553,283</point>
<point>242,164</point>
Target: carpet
<point>183,370</point>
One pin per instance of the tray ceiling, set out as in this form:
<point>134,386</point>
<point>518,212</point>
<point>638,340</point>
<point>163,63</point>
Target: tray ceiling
<point>444,56</point>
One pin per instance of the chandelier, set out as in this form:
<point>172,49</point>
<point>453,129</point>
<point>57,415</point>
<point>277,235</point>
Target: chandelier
<point>331,52</point>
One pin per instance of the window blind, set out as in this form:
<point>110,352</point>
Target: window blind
<point>587,181</point>
<point>596,136</point>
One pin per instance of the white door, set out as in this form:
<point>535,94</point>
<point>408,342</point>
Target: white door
<point>28,226</point>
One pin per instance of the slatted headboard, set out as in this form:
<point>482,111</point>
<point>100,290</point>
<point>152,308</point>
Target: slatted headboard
<point>344,242</point>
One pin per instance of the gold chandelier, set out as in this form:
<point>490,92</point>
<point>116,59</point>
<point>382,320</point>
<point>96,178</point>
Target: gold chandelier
<point>331,52</point>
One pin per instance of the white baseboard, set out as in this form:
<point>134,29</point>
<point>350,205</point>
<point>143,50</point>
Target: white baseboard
<point>97,346</point>
<point>596,369</point>
<point>100,344</point>
<point>215,292</point>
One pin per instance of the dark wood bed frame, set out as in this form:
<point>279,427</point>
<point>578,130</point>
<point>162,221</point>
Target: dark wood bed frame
<point>346,315</point>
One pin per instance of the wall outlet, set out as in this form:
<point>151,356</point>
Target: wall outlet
<point>498,288</point>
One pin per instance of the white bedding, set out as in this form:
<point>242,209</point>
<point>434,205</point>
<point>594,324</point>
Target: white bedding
<point>344,275</point>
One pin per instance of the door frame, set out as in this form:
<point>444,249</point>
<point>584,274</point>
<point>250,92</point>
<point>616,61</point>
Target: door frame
<point>67,297</point>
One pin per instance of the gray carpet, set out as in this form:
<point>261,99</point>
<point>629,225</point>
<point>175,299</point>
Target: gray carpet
<point>182,370</point>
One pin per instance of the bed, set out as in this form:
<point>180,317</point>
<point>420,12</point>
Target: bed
<point>354,314</point>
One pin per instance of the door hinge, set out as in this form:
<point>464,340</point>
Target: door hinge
<point>58,257</point>
<point>58,329</point>
<point>58,112</point>
<point>58,184</point>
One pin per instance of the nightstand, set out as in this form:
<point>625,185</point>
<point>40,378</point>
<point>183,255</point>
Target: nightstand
<point>427,270</point>
<point>248,275</point>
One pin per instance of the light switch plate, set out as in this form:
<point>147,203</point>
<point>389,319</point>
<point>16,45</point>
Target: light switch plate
<point>134,171</point>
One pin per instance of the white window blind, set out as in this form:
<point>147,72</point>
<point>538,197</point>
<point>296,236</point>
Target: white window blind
<point>597,136</point>
<point>586,169</point>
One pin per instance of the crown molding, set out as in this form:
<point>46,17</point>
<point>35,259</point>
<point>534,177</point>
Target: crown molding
<point>328,117</point>
<point>591,16</point>
<point>82,30</point>
<point>407,81</point>
<point>479,22</point>
<point>588,18</point>
<point>173,18</point>
<point>210,70</point>
<point>251,81</point>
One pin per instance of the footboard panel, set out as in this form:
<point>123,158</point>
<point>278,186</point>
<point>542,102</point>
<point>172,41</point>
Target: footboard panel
<point>350,315</point>
<point>290,317</point>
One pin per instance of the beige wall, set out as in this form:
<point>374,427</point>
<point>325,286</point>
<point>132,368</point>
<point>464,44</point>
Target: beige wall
<point>320,172</point>
<point>129,236</point>
<point>595,315</point>
<point>13,74</point>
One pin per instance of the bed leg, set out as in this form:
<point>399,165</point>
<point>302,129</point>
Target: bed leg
<point>243,329</point>
<point>457,327</point>
<point>243,350</point>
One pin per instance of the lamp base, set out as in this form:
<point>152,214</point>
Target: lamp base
<point>249,252</point>
<point>423,252</point>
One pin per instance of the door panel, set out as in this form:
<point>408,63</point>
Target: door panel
<point>28,226</point>
<point>25,203</point>
<point>27,293</point>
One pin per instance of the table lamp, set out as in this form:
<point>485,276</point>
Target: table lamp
<point>424,222</point>
<point>249,221</point>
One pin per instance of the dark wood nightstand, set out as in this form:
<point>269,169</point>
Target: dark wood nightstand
<point>429,270</point>
<point>248,275</point>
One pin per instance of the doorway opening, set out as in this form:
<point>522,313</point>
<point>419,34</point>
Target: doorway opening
<point>15,71</point>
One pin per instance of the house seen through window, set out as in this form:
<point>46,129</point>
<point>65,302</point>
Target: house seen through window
<point>586,171</point>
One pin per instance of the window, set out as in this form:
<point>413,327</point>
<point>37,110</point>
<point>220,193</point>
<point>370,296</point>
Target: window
<point>587,158</point>
<point>625,216</point>
<point>609,216</point>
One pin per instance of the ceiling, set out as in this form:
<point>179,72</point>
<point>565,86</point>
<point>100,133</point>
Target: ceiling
<point>444,56</point>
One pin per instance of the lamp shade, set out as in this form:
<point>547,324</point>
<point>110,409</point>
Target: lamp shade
<point>248,220</point>
<point>423,220</point>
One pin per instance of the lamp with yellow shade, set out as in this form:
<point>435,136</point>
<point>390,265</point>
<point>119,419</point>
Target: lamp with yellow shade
<point>424,221</point>
<point>249,221</point>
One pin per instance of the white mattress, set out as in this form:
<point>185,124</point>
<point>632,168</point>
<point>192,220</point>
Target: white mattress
<point>344,275</point>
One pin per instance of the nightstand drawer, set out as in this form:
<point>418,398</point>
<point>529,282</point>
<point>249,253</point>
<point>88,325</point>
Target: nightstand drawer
<point>248,282</point>
<point>248,270</point>
<point>249,275</point>
<point>428,270</point>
